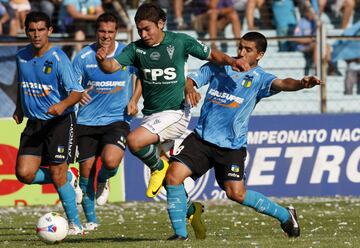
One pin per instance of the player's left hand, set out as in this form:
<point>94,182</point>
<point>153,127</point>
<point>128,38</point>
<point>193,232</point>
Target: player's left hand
<point>56,109</point>
<point>310,81</point>
<point>240,65</point>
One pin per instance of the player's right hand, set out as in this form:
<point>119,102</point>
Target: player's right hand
<point>101,54</point>
<point>18,116</point>
<point>85,97</point>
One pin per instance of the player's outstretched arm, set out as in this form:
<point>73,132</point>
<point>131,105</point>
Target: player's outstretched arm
<point>59,108</point>
<point>107,65</point>
<point>221,58</point>
<point>290,84</point>
<point>192,96</point>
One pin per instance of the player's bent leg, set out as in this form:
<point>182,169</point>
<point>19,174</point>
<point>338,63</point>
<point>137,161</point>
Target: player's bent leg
<point>235,190</point>
<point>87,178</point>
<point>26,169</point>
<point>176,205</point>
<point>141,143</point>
<point>67,196</point>
<point>111,158</point>
<point>176,199</point>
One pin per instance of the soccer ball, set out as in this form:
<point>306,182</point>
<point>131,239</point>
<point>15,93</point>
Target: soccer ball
<point>52,228</point>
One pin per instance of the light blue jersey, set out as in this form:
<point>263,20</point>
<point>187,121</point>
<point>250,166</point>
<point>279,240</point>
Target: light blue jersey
<point>228,103</point>
<point>110,93</point>
<point>44,81</point>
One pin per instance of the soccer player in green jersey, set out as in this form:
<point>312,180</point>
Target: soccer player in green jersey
<point>160,57</point>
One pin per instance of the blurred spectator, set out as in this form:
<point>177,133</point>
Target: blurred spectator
<point>8,80</point>
<point>349,50</point>
<point>4,17</point>
<point>178,7</point>
<point>77,17</point>
<point>118,8</point>
<point>307,27</point>
<point>46,6</point>
<point>285,21</point>
<point>264,11</point>
<point>9,22</point>
<point>21,8</point>
<point>338,9</point>
<point>352,77</point>
<point>213,16</point>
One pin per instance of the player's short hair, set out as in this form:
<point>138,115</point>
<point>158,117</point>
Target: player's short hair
<point>150,12</point>
<point>258,38</point>
<point>107,17</point>
<point>37,16</point>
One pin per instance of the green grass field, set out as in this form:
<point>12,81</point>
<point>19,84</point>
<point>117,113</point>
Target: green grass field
<point>325,222</point>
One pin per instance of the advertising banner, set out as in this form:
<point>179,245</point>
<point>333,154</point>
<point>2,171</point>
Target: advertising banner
<point>13,192</point>
<point>288,155</point>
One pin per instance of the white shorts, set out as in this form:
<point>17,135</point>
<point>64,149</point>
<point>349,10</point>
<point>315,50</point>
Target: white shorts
<point>168,125</point>
<point>169,148</point>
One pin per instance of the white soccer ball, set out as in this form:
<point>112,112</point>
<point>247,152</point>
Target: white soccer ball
<point>52,228</point>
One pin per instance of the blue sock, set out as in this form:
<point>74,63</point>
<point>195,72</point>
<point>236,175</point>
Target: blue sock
<point>150,156</point>
<point>176,204</point>
<point>105,174</point>
<point>42,176</point>
<point>67,197</point>
<point>264,205</point>
<point>88,203</point>
<point>69,176</point>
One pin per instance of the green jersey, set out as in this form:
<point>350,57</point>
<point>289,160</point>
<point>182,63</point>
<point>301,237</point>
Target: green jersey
<point>161,69</point>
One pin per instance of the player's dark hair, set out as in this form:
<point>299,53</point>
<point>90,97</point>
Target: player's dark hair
<point>258,38</point>
<point>107,17</point>
<point>37,16</point>
<point>150,12</point>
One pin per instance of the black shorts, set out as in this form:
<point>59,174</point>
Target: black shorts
<point>200,156</point>
<point>92,139</point>
<point>53,139</point>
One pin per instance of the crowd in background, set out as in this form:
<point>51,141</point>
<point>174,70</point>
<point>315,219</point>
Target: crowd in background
<point>208,18</point>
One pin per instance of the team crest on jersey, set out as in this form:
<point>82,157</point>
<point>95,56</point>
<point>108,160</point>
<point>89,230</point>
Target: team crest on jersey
<point>247,81</point>
<point>170,49</point>
<point>235,168</point>
<point>47,69</point>
<point>60,149</point>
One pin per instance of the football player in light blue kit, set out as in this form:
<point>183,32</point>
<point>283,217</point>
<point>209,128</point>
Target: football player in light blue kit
<point>103,118</point>
<point>48,88</point>
<point>220,137</point>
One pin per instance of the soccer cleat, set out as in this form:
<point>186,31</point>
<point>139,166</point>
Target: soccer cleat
<point>156,180</point>
<point>90,226</point>
<point>76,230</point>
<point>102,192</point>
<point>291,227</point>
<point>196,221</point>
<point>178,238</point>
<point>75,184</point>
